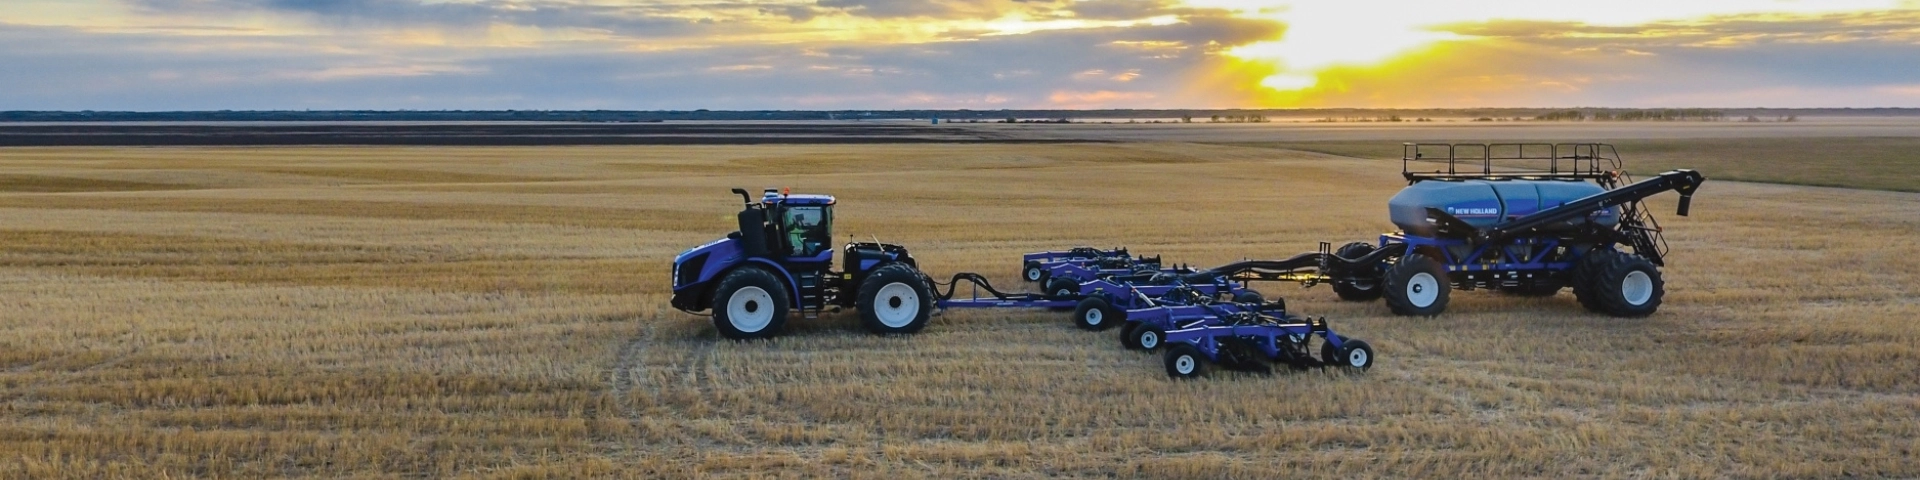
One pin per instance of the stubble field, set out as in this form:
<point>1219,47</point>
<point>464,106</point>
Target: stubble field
<point>417,311</point>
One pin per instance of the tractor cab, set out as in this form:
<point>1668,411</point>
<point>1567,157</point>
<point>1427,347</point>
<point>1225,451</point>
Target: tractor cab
<point>802,225</point>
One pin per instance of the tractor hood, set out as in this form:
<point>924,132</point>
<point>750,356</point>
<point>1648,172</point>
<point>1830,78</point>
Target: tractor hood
<point>699,264</point>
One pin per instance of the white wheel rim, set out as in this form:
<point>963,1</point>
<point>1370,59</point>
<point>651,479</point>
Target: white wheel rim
<point>1357,358</point>
<point>750,309</point>
<point>1033,274</point>
<point>1637,288</point>
<point>896,305</point>
<point>1183,364</point>
<point>1149,339</point>
<point>1422,289</point>
<point>1094,316</point>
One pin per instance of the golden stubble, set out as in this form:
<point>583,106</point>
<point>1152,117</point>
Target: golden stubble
<point>501,312</point>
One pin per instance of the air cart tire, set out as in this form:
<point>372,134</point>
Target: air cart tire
<point>750,303</point>
<point>1094,313</point>
<point>1628,286</point>
<point>895,299</point>
<point>1356,355</point>
<point>1357,288</point>
<point>1586,272</point>
<point>1032,272</point>
<point>1417,286</point>
<point>1249,296</point>
<point>1185,361</point>
<point>1141,336</point>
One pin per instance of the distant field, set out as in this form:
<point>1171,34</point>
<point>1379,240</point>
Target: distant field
<point>1880,163</point>
<point>502,312</point>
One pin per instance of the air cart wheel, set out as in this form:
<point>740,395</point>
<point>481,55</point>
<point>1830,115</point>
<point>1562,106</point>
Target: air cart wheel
<point>1249,296</point>
<point>1586,271</point>
<point>895,299</point>
<point>1185,361</point>
<point>1033,273</point>
<point>1094,313</point>
<point>1357,288</point>
<point>749,303</point>
<point>1356,356</point>
<point>1628,286</point>
<point>1417,286</point>
<point>1141,336</point>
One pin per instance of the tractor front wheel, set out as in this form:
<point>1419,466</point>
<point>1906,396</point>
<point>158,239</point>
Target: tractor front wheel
<point>1417,286</point>
<point>895,299</point>
<point>749,303</point>
<point>1185,361</point>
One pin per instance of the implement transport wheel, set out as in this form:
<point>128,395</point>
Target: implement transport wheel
<point>1185,361</point>
<point>895,299</point>
<point>1628,286</point>
<point>1061,289</point>
<point>749,303</point>
<point>1126,335</point>
<point>1094,313</point>
<point>1417,286</point>
<point>1141,336</point>
<point>1357,356</point>
<point>1249,296</point>
<point>1357,288</point>
<point>1033,273</point>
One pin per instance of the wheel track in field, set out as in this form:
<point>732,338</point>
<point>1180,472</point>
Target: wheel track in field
<point>627,370</point>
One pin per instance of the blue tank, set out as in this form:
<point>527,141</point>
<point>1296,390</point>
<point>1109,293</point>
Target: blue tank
<point>1485,203</point>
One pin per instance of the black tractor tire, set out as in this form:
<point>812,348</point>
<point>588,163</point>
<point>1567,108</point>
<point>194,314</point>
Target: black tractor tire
<point>1417,286</point>
<point>1249,296</point>
<point>895,298</point>
<point>1034,273</point>
<point>1183,360</point>
<point>1586,271</point>
<point>1628,286</point>
<point>1358,288</point>
<point>1146,337</point>
<point>750,303</point>
<point>1095,314</point>
<point>1356,356</point>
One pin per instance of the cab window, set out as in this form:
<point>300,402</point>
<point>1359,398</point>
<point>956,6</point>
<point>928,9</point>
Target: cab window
<point>807,230</point>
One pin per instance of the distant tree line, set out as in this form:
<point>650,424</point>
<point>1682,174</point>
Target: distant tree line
<point>1650,115</point>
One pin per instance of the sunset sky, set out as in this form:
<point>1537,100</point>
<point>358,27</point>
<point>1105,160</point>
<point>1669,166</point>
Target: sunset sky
<point>949,54</point>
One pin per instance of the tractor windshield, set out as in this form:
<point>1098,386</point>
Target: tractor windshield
<point>809,229</point>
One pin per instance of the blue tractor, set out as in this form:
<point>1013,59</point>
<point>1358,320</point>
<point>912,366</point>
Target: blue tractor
<point>781,261</point>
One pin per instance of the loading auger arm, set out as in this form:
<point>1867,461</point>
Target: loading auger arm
<point>1683,181</point>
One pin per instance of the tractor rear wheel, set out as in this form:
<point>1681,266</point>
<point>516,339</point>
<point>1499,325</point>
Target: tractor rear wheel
<point>1417,286</point>
<point>1094,313</point>
<point>1356,354</point>
<point>1032,272</point>
<point>895,299</point>
<point>1628,286</point>
<point>1185,361</point>
<point>749,303</point>
<point>1359,287</point>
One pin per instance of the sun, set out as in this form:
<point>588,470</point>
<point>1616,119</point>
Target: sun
<point>1325,34</point>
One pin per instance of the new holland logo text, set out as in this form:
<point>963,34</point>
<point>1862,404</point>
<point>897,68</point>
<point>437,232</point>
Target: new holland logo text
<point>1473,211</point>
